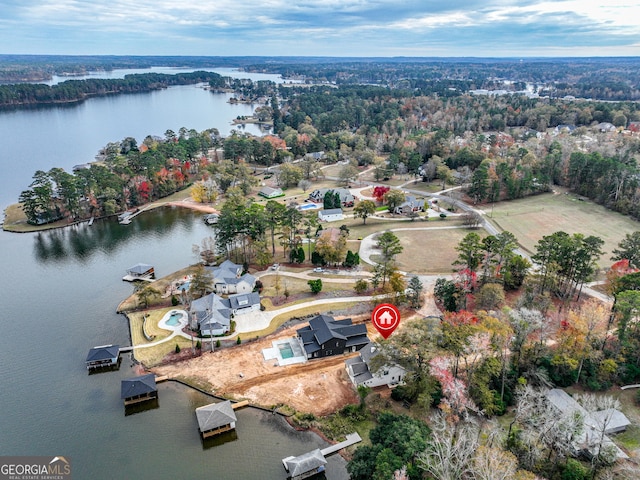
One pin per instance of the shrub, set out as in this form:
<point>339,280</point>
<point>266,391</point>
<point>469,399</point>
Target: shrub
<point>177,348</point>
<point>238,341</point>
<point>443,216</point>
<point>217,343</point>
<point>361,286</point>
<point>198,345</point>
<point>174,301</point>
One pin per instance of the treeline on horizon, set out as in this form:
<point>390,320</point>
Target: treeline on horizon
<point>598,78</point>
<point>29,94</point>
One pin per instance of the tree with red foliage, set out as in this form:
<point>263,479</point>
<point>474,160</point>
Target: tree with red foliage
<point>144,189</point>
<point>379,192</point>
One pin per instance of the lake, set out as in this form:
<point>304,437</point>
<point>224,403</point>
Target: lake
<point>41,138</point>
<point>61,289</point>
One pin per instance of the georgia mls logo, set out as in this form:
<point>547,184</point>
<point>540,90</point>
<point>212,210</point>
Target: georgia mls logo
<point>35,468</point>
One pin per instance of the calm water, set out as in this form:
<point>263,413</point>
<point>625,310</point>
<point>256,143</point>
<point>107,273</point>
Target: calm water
<point>47,137</point>
<point>61,289</point>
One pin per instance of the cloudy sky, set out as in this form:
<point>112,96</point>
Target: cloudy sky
<point>322,27</point>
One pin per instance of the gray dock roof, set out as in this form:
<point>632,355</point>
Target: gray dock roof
<point>133,387</point>
<point>215,415</point>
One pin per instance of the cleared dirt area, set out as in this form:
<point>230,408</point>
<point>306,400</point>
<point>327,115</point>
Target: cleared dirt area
<point>319,386</point>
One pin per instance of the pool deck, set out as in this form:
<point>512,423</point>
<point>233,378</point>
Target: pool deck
<point>274,353</point>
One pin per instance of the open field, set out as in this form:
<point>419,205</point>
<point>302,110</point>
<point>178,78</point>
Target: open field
<point>529,219</point>
<point>430,252</point>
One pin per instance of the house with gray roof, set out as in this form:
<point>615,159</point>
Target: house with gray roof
<point>346,198</point>
<point>410,204</point>
<point>331,215</point>
<point>361,372</point>
<point>211,315</point>
<point>597,425</point>
<point>103,356</point>
<point>139,389</point>
<point>269,192</point>
<point>216,418</point>
<point>242,303</point>
<point>325,336</point>
<point>228,278</point>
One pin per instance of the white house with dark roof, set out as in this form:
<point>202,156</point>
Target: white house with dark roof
<point>270,192</point>
<point>360,371</point>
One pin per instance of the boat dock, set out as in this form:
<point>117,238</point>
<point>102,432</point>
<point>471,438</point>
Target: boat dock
<point>313,462</point>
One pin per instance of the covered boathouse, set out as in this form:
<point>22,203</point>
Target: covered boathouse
<point>216,418</point>
<point>103,356</point>
<point>139,389</point>
<point>140,271</point>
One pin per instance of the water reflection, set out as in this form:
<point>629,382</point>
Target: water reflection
<point>80,242</point>
<point>221,439</point>
<point>141,407</point>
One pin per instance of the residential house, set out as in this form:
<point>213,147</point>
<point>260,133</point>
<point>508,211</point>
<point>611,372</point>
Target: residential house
<point>227,279</point>
<point>346,198</point>
<point>410,204</point>
<point>597,425</point>
<point>606,127</point>
<point>242,303</point>
<point>103,356</point>
<point>268,192</point>
<point>139,389</point>
<point>211,315</point>
<point>360,372</point>
<point>331,215</point>
<point>325,336</point>
<point>216,418</point>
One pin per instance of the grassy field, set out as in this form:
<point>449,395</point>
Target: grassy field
<point>529,219</point>
<point>430,252</point>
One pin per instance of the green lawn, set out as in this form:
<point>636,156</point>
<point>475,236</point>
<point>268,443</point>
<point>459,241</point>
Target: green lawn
<point>529,219</point>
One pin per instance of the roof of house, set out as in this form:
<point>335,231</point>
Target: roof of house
<point>211,311</point>
<point>133,387</point>
<point>105,352</point>
<point>305,463</point>
<point>226,272</point>
<point>324,328</point>
<point>359,369</point>
<point>270,192</point>
<point>140,268</point>
<point>596,423</point>
<point>331,211</point>
<point>244,300</point>
<point>215,415</point>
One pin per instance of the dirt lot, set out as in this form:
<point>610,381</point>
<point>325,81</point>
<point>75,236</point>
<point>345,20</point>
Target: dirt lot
<point>319,387</point>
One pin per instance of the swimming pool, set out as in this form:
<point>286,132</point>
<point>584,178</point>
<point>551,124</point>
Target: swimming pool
<point>285,350</point>
<point>308,206</point>
<point>185,286</point>
<point>174,319</point>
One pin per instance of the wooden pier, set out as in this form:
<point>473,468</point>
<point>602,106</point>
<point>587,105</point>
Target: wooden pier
<point>351,439</point>
<point>241,404</point>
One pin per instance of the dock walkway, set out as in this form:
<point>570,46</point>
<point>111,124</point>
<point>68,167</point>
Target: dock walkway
<point>352,439</point>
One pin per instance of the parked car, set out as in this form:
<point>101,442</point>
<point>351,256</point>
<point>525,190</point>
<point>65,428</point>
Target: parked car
<point>318,270</point>
<point>275,266</point>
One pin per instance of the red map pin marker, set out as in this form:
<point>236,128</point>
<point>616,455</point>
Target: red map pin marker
<point>385,318</point>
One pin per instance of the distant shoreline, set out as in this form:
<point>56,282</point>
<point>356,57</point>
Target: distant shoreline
<point>16,222</point>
